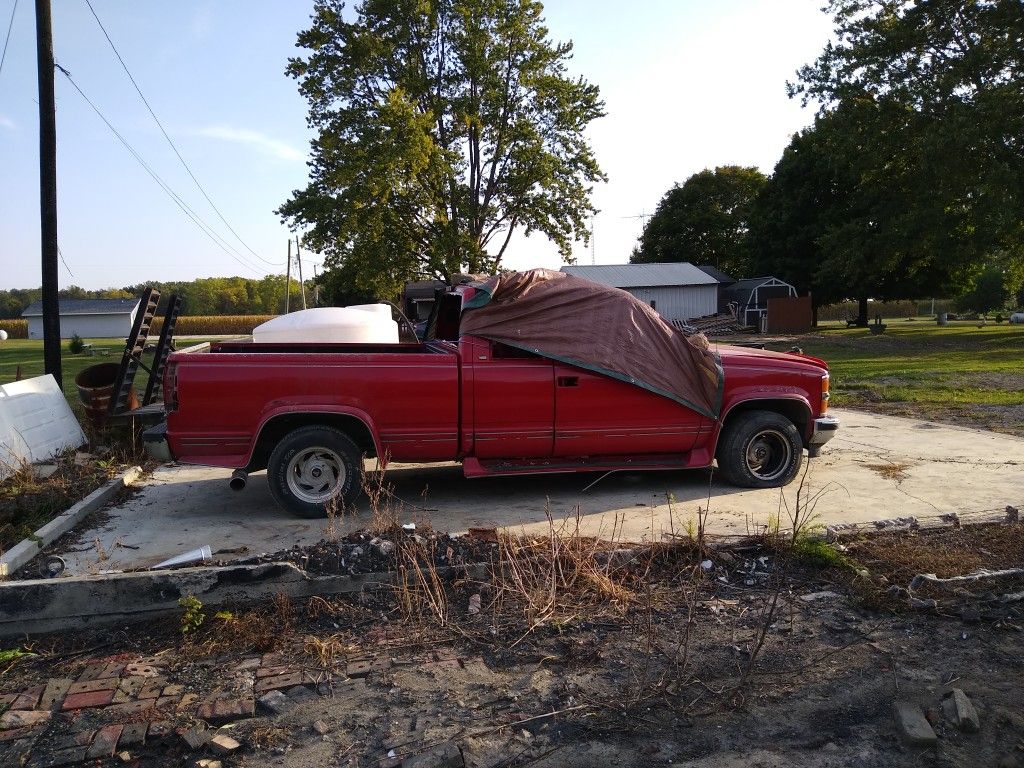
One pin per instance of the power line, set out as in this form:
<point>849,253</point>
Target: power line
<point>205,228</point>
<point>61,254</point>
<point>10,26</point>
<point>169,141</point>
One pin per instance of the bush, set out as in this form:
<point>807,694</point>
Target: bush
<point>76,345</point>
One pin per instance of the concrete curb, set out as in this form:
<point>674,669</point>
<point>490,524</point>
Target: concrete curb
<point>26,549</point>
<point>62,604</point>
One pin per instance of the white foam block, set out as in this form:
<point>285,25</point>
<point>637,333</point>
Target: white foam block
<point>36,423</point>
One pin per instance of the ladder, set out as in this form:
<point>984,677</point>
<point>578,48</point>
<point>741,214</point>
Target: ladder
<point>164,347</point>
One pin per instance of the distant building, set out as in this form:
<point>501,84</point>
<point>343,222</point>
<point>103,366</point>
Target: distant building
<point>751,297</point>
<point>89,318</point>
<point>677,290</point>
<point>724,282</point>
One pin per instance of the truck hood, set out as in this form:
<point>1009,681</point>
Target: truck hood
<point>732,355</point>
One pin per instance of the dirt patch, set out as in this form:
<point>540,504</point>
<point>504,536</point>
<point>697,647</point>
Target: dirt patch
<point>894,471</point>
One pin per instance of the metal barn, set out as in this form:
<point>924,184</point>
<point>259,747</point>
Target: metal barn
<point>678,291</point>
<point>89,318</point>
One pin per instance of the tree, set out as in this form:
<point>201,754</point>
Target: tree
<point>444,126</point>
<point>704,221</point>
<point>938,88</point>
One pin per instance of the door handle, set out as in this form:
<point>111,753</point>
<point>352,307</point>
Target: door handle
<point>568,381</point>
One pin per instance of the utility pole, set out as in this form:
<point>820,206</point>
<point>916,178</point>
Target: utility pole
<point>288,278</point>
<point>316,288</point>
<point>298,258</point>
<point>48,191</point>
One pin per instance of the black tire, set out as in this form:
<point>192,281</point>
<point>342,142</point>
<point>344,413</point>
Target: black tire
<point>311,466</point>
<point>760,449</point>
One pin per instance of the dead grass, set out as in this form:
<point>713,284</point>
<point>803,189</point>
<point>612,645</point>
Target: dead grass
<point>894,471</point>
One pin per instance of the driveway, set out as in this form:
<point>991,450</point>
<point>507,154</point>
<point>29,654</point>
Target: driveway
<point>877,467</point>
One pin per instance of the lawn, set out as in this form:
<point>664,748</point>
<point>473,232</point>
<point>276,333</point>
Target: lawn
<point>959,373</point>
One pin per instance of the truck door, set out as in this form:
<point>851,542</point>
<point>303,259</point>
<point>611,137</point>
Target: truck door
<point>513,401</point>
<point>597,415</point>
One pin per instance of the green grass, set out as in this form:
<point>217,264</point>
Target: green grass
<point>959,372</point>
<point>29,355</point>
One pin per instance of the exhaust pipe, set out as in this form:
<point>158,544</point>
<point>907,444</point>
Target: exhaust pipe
<point>238,479</point>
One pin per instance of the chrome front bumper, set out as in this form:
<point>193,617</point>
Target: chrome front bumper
<point>825,429</point>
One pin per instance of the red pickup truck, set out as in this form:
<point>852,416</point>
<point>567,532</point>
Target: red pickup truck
<point>310,413</point>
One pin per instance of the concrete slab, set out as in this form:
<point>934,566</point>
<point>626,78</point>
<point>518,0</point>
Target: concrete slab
<point>878,467</point>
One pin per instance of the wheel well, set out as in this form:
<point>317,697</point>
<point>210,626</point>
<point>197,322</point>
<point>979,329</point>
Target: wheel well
<point>279,426</point>
<point>793,410</point>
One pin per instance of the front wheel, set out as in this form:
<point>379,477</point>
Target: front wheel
<point>760,449</point>
<point>312,466</point>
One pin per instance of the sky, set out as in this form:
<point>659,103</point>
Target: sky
<point>687,84</point>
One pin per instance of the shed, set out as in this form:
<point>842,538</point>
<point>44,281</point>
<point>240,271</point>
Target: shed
<point>89,318</point>
<point>751,297</point>
<point>724,281</point>
<point>676,290</point>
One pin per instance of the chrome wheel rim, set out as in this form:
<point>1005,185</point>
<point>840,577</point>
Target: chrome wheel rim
<point>768,455</point>
<point>315,474</point>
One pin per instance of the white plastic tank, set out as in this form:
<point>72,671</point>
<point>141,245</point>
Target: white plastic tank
<point>363,324</point>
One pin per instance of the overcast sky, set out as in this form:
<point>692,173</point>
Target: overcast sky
<point>688,84</point>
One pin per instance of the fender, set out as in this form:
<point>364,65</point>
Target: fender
<point>752,394</point>
<point>312,409</point>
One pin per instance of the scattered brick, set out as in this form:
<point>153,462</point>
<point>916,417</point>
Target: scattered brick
<point>359,668</point>
<point>105,743</point>
<point>168,702</point>
<point>150,690</point>
<point>187,701</point>
<point>158,730</point>
<point>86,700</point>
<point>22,718</point>
<point>65,757</point>
<point>98,684</point>
<point>321,727</point>
<point>965,714</point>
<point>246,664</point>
<point>173,690</point>
<point>80,739</point>
<point>13,734</point>
<point>134,734</point>
<point>272,671</point>
<point>194,737</point>
<point>208,763</point>
<point>446,755</point>
<point>130,708</point>
<point>113,670</point>
<point>92,672</point>
<point>55,691</point>
<point>222,744</point>
<point>141,670</point>
<point>300,693</point>
<point>29,698</point>
<point>279,681</point>
<point>6,699</point>
<point>276,702</point>
<point>912,724</point>
<point>221,710</point>
<point>273,658</point>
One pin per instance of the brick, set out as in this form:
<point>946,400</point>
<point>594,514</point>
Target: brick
<point>150,691</point>
<point>194,737</point>
<point>172,690</point>
<point>88,686</point>
<point>223,710</point>
<point>167,702</point>
<point>912,724</point>
<point>247,664</point>
<point>965,714</point>
<point>276,702</point>
<point>22,718</point>
<point>130,708</point>
<point>105,742</point>
<point>6,699</point>
<point>64,757</point>
<point>87,700</point>
<point>54,693</point>
<point>92,672</point>
<point>80,739</point>
<point>133,735</point>
<point>13,734</point>
<point>272,672</point>
<point>158,730</point>
<point>358,668</point>
<point>113,670</point>
<point>28,699</point>
<point>300,693</point>
<point>445,755</point>
<point>222,744</point>
<point>141,670</point>
<point>187,701</point>
<point>278,681</point>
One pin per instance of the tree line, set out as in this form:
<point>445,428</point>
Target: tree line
<point>204,296</point>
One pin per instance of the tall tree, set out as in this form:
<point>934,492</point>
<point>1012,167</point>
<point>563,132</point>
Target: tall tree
<point>704,221</point>
<point>938,90</point>
<point>444,126</point>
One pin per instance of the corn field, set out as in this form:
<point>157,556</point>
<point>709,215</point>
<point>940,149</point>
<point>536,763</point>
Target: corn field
<point>213,325</point>
<point>16,329</point>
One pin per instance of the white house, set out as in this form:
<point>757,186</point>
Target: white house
<point>89,318</point>
<point>678,290</point>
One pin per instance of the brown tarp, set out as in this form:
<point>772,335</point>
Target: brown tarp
<point>593,326</point>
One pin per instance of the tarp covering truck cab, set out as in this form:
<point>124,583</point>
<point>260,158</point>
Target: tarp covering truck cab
<point>526,372</point>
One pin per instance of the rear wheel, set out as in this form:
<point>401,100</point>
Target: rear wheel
<point>760,449</point>
<point>312,466</point>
